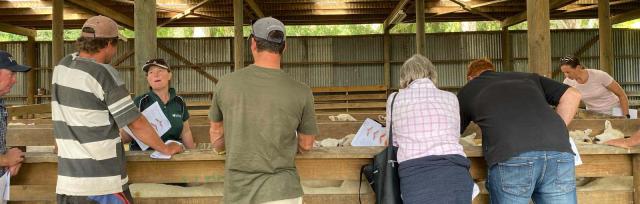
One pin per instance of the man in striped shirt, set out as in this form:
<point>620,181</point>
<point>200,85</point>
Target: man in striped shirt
<point>89,104</point>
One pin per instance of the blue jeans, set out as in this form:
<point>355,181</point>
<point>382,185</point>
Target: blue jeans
<point>547,177</point>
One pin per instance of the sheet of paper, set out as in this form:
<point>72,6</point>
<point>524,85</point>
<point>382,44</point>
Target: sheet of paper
<point>159,155</point>
<point>633,113</point>
<point>577,159</point>
<point>371,133</point>
<point>616,112</point>
<point>6,186</point>
<point>476,191</point>
<point>158,121</point>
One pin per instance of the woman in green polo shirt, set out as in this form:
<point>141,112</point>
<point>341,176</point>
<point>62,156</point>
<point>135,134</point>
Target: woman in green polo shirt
<point>173,106</point>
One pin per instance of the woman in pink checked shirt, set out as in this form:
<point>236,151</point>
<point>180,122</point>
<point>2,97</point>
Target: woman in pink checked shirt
<point>426,124</point>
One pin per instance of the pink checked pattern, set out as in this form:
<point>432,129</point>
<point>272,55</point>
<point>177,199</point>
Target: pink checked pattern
<point>426,121</point>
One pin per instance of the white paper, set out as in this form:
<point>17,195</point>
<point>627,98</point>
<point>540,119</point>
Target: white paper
<point>476,191</point>
<point>158,121</point>
<point>633,113</point>
<point>371,133</point>
<point>577,159</point>
<point>7,185</point>
<point>616,112</point>
<point>159,155</point>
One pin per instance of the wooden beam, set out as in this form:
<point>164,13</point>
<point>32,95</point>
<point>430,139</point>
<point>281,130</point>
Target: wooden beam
<point>146,43</point>
<point>507,55</point>
<point>387,22</point>
<point>420,34</point>
<point>122,58</point>
<point>31,54</point>
<point>539,37</point>
<point>238,39</point>
<point>101,9</point>
<point>57,32</point>
<point>582,8</point>
<point>606,39</point>
<point>197,68</point>
<point>184,13</point>
<point>624,17</point>
<point>519,18</point>
<point>473,10</point>
<point>255,8</point>
<point>8,28</point>
<point>636,177</point>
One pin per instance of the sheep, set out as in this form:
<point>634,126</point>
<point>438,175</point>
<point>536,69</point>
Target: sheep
<point>330,142</point>
<point>342,118</point>
<point>581,136</point>
<point>469,140</point>
<point>608,134</point>
<point>346,140</point>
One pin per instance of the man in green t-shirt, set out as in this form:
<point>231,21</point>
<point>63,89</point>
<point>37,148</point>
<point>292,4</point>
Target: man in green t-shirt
<point>267,117</point>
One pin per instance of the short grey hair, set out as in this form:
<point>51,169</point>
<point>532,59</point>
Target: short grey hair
<point>417,67</point>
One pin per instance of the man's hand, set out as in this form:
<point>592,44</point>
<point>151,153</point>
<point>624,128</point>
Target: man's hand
<point>174,148</point>
<point>13,157</point>
<point>15,169</point>
<point>621,142</point>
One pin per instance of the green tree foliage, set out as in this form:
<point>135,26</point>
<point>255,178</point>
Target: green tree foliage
<point>332,30</point>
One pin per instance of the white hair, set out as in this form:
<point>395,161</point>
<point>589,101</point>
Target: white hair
<point>417,67</point>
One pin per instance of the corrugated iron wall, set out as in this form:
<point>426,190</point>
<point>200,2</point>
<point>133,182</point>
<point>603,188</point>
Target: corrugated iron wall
<point>356,60</point>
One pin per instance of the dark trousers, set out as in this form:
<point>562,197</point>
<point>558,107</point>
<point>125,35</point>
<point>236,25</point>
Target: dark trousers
<point>436,179</point>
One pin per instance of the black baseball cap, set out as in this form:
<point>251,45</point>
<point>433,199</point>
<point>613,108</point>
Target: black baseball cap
<point>7,62</point>
<point>155,62</point>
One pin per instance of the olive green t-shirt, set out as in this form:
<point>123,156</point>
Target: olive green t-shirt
<point>261,110</point>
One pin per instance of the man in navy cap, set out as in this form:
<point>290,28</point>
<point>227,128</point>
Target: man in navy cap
<point>10,160</point>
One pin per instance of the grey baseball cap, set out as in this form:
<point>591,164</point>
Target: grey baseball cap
<point>262,27</point>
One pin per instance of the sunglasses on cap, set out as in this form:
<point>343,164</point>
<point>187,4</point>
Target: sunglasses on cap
<point>567,60</point>
<point>155,62</point>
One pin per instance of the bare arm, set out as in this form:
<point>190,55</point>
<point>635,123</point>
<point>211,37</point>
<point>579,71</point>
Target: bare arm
<point>618,91</point>
<point>125,137</point>
<point>630,142</point>
<point>143,130</point>
<point>187,137</point>
<point>305,142</point>
<point>568,105</point>
<point>216,134</point>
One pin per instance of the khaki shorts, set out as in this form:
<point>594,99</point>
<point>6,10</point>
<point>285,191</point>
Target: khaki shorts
<point>297,200</point>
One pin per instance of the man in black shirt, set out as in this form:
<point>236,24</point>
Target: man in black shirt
<point>525,141</point>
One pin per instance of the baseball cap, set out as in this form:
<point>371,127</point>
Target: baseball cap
<point>155,62</point>
<point>101,27</point>
<point>7,62</point>
<point>262,27</point>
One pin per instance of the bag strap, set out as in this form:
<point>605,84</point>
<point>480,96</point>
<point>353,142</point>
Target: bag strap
<point>360,185</point>
<point>391,119</point>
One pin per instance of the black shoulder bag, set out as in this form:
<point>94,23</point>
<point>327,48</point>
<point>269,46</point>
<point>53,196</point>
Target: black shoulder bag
<point>383,173</point>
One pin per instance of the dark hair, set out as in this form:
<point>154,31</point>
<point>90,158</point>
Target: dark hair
<point>273,47</point>
<point>570,60</point>
<point>93,45</point>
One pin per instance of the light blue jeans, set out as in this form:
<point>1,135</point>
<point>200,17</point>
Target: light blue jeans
<point>546,177</point>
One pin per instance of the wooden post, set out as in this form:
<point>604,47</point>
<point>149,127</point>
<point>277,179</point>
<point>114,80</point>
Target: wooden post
<point>57,33</point>
<point>238,39</point>
<point>604,29</point>
<point>31,75</point>
<point>538,37</point>
<point>387,58</point>
<point>420,34</point>
<point>636,177</point>
<point>507,63</point>
<point>145,40</point>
